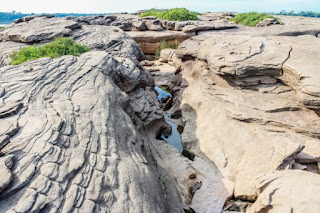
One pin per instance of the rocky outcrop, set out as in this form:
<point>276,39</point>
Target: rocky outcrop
<point>290,26</point>
<point>41,29</point>
<point>69,127</point>
<point>149,41</point>
<point>78,133</point>
<point>245,109</point>
<point>288,191</point>
<point>267,22</point>
<point>73,135</point>
<point>194,26</point>
<point>111,39</point>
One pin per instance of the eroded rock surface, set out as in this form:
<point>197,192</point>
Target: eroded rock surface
<point>288,191</point>
<point>243,107</point>
<point>69,127</point>
<point>76,149</point>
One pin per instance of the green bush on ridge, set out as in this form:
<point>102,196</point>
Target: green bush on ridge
<point>252,19</point>
<point>176,14</point>
<point>59,47</point>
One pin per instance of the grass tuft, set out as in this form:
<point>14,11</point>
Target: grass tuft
<point>252,19</point>
<point>164,45</point>
<point>176,14</point>
<point>59,47</point>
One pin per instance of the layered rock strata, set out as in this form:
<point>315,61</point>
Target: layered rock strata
<point>250,105</point>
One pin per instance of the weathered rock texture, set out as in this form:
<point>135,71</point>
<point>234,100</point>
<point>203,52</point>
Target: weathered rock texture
<point>77,134</point>
<point>288,191</point>
<point>250,104</point>
<point>150,41</point>
<point>69,137</point>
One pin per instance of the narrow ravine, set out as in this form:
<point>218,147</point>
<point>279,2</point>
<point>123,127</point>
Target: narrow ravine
<point>174,139</point>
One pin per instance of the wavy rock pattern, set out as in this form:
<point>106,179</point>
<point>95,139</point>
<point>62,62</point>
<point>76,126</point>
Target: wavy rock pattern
<point>68,144</point>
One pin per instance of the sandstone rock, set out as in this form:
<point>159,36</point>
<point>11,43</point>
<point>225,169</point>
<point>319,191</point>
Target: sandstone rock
<point>6,48</point>
<point>166,55</point>
<point>152,23</point>
<point>179,25</point>
<point>208,182</point>
<point>238,113</point>
<point>150,40</point>
<point>29,18</point>
<point>212,16</point>
<point>162,73</point>
<point>300,70</point>
<point>287,191</point>
<point>269,156</point>
<point>139,26</point>
<point>267,22</point>
<point>39,30</point>
<point>110,39</point>
<point>168,25</point>
<point>212,195</point>
<point>207,25</point>
<point>311,152</point>
<point>244,56</point>
<point>5,168</point>
<point>75,133</point>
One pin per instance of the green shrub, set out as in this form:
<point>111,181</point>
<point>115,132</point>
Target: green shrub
<point>164,45</point>
<point>59,47</point>
<point>176,14</point>
<point>151,12</point>
<point>1,28</point>
<point>252,19</point>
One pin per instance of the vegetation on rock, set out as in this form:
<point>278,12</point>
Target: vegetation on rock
<point>59,47</point>
<point>164,45</point>
<point>176,14</point>
<point>252,19</point>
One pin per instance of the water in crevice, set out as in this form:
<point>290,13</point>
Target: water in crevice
<point>162,94</point>
<point>175,138</point>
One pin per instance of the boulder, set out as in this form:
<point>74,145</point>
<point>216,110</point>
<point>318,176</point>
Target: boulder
<point>212,195</point>
<point>207,25</point>
<point>166,55</point>
<point>152,24</point>
<point>110,39</point>
<point>267,22</point>
<point>287,191</point>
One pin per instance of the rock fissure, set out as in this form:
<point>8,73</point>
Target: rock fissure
<point>90,133</point>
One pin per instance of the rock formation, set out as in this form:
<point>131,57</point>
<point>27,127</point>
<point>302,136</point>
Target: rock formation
<point>68,137</point>
<point>250,104</point>
<point>82,134</point>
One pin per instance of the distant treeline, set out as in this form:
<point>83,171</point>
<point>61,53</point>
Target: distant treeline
<point>302,13</point>
<point>6,17</point>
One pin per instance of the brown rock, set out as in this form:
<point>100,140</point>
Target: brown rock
<point>290,191</point>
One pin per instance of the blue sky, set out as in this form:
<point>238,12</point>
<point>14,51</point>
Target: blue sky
<point>105,6</point>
